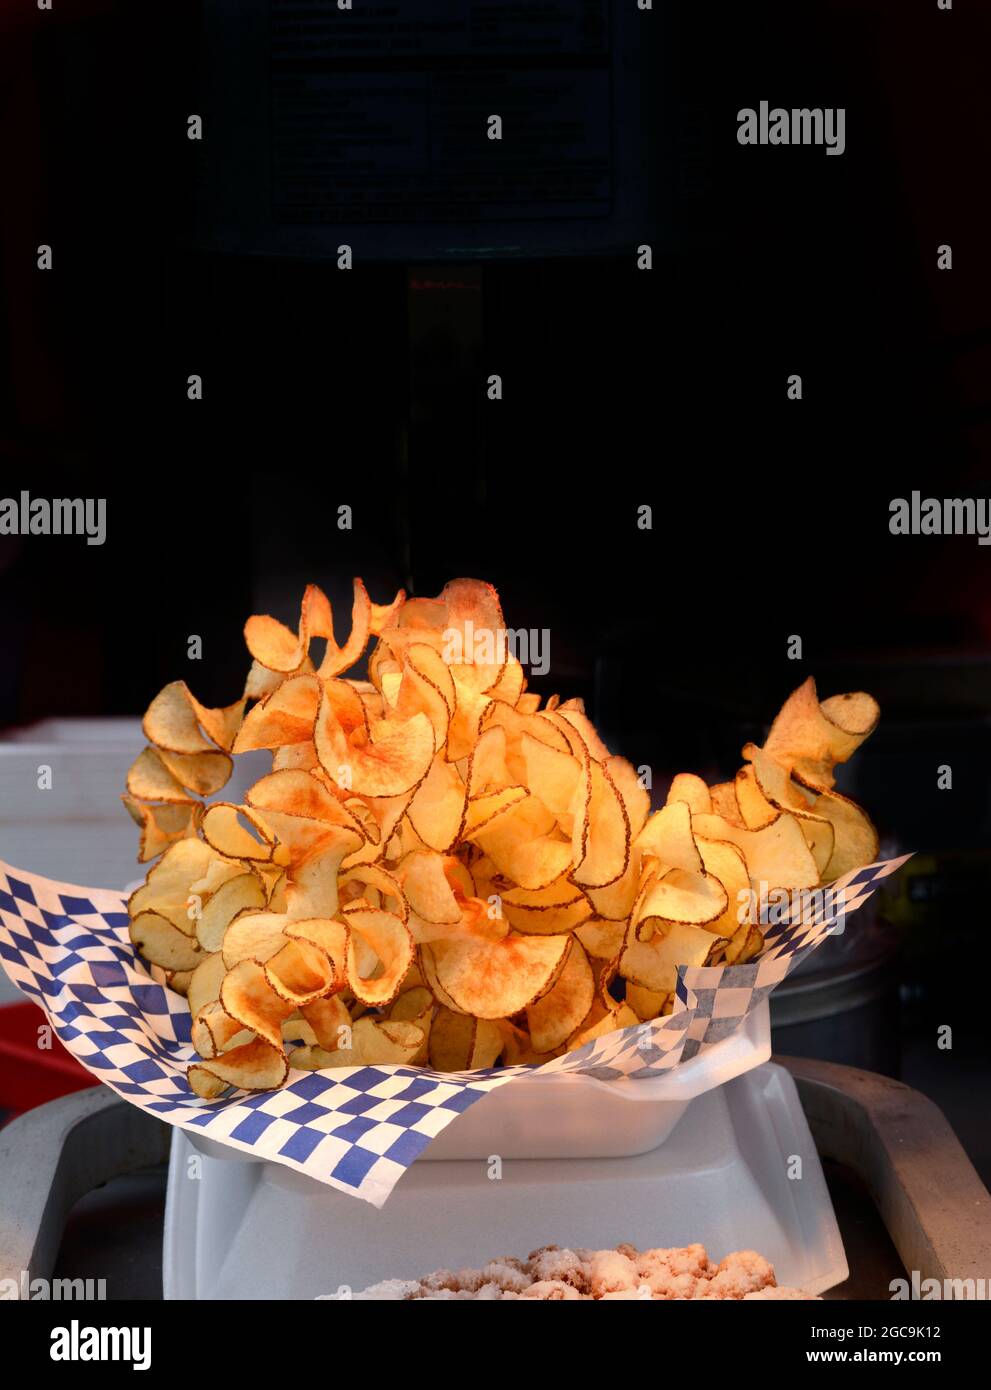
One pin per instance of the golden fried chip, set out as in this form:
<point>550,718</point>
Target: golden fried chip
<point>159,941</point>
<point>170,884</point>
<point>645,1003</point>
<point>394,759</point>
<point>245,892</point>
<point>724,802</point>
<point>494,979</point>
<point>426,686</point>
<point>226,829</point>
<point>162,825</point>
<point>687,787</point>
<point>776,855</point>
<point>253,936</point>
<point>256,1066</point>
<point>439,806</point>
<point>553,1018</point>
<point>745,943</point>
<point>329,1021</point>
<point>523,847</point>
<point>391,943</point>
<point>205,981</point>
<point>676,895</point>
<point>601,838</point>
<point>561,907</point>
<point>284,717</point>
<point>550,775</point>
<point>602,940</point>
<point>669,838</point>
<point>459,1042</point>
<point>373,1043</point>
<point>855,839</point>
<point>247,996</point>
<point>621,1016</point>
<point>654,963</point>
<point>148,779</point>
<point>755,809</point>
<point>809,738</point>
<point>171,722</point>
<point>725,863</point>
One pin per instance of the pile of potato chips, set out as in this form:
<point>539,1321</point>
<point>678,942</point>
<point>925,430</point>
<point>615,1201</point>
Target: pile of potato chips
<point>437,871</point>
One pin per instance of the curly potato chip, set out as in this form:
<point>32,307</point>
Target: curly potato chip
<point>205,981</point>
<point>809,738</point>
<point>678,896</point>
<point>654,963</point>
<point>557,1014</point>
<point>777,855</point>
<point>240,894</point>
<point>284,717</point>
<point>253,936</point>
<point>169,888</point>
<point>691,789</point>
<point>459,1042</point>
<point>329,1021</point>
<point>393,758</point>
<point>855,840</point>
<point>214,1031</point>
<point>725,863</point>
<point>246,996</point>
<point>645,1003</point>
<point>561,907</point>
<point>494,979</point>
<point>158,940</point>
<point>391,943</point>
<point>523,846</point>
<point>373,1043</point>
<point>755,809</point>
<point>301,973</point>
<point>226,829</point>
<point>602,940</point>
<point>162,825</point>
<point>601,838</point>
<point>149,779</point>
<point>256,1066</point>
<point>669,837</point>
<point>438,858</point>
<point>724,803</point>
<point>174,722</point>
<point>621,1016</point>
<point>439,807</point>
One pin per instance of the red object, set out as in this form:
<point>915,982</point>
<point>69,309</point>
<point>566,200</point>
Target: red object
<point>31,1075</point>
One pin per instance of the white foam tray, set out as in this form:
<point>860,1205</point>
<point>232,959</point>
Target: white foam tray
<point>571,1116</point>
<point>253,1230</point>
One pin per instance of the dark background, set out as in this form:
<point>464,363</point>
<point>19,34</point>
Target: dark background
<point>622,388</point>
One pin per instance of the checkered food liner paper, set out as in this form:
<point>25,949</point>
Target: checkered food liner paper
<point>355,1128</point>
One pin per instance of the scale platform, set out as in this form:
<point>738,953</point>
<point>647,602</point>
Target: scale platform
<point>740,1171</point>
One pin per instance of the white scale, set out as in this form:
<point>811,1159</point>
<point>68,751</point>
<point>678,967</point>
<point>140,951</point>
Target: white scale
<point>738,1170</point>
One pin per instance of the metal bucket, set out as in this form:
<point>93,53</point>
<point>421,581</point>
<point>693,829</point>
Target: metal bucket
<point>841,1005</point>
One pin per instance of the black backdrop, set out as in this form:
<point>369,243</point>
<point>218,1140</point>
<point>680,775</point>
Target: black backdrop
<point>622,388</point>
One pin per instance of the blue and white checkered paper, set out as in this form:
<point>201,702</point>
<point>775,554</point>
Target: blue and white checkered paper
<point>355,1128</point>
